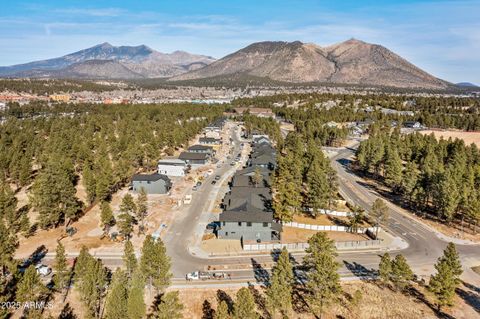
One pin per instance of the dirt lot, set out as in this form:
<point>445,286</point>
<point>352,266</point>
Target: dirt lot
<point>321,220</point>
<point>298,235</point>
<point>468,137</point>
<point>376,302</point>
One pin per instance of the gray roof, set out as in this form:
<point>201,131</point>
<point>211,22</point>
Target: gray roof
<point>150,178</point>
<point>200,147</point>
<point>260,198</point>
<point>246,213</point>
<point>247,181</point>
<point>193,156</point>
<point>250,171</point>
<point>209,140</point>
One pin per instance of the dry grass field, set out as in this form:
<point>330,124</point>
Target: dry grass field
<point>468,137</point>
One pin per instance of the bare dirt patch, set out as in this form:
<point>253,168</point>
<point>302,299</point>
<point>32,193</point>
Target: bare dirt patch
<point>298,235</point>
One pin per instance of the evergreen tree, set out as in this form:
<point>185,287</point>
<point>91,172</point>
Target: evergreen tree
<point>155,264</point>
<point>279,292</point>
<point>62,273</point>
<point>116,301</point>
<point>257,177</point>
<point>125,224</point>
<point>128,205</point>
<point>53,195</point>
<point>393,168</point>
<point>401,272</point>
<point>89,182</point>
<point>136,307</point>
<point>30,287</point>
<point>91,284</point>
<point>385,268</point>
<point>222,311</point>
<point>379,213</point>
<point>8,245</point>
<point>317,185</point>
<point>169,307</point>
<point>141,208</point>
<point>356,219</point>
<point>447,278</point>
<point>323,283</point>
<point>129,258</point>
<point>244,307</point>
<point>106,217</point>
<point>409,179</point>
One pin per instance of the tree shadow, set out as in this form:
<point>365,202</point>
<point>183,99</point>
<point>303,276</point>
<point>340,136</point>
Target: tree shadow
<point>67,312</point>
<point>299,303</point>
<point>207,310</point>
<point>223,296</point>
<point>261,274</point>
<point>412,291</point>
<point>260,301</point>
<point>471,296</point>
<point>360,271</point>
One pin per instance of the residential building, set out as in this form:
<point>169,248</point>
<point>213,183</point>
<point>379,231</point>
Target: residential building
<point>412,124</point>
<point>201,149</point>
<point>209,141</point>
<point>172,167</point>
<point>153,183</point>
<point>194,158</point>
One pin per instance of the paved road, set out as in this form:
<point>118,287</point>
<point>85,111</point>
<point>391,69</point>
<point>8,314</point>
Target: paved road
<point>423,250</point>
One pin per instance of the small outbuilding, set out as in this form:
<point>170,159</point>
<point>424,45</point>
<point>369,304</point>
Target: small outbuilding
<point>152,183</point>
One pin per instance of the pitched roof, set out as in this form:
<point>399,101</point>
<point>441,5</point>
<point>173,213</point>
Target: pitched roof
<point>246,213</point>
<point>250,171</point>
<point>209,139</point>
<point>247,181</point>
<point>260,198</point>
<point>200,147</point>
<point>193,156</point>
<point>150,178</point>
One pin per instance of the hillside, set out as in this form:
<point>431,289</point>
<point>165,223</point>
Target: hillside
<point>349,62</point>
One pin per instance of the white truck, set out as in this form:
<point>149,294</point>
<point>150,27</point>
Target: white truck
<point>197,275</point>
<point>188,199</point>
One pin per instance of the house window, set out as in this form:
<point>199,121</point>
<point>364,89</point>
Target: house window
<point>148,182</point>
<point>233,232</point>
<point>239,223</point>
<point>226,233</point>
<point>224,223</point>
<point>249,224</point>
<point>265,224</point>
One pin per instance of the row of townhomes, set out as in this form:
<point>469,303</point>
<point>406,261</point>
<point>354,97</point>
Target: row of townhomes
<point>247,209</point>
<point>195,156</point>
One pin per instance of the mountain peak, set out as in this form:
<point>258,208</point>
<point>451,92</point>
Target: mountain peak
<point>104,45</point>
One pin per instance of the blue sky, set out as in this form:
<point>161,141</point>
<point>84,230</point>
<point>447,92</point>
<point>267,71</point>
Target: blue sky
<point>441,37</point>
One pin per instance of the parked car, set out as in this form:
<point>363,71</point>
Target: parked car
<point>43,270</point>
<point>194,188</point>
<point>217,177</point>
<point>211,226</point>
<point>198,184</point>
<point>214,182</point>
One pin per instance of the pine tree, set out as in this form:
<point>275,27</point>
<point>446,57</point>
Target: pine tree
<point>62,273</point>
<point>116,301</point>
<point>317,185</point>
<point>81,262</point>
<point>257,177</point>
<point>129,258</point>
<point>279,292</point>
<point>444,283</point>
<point>385,268</point>
<point>393,168</point>
<point>356,219</point>
<point>222,311</point>
<point>401,272</point>
<point>323,283</point>
<point>8,245</point>
<point>169,307</point>
<point>89,182</point>
<point>125,224</point>
<point>141,208</point>
<point>379,213</point>
<point>30,287</point>
<point>106,216</point>
<point>409,179</point>
<point>128,205</point>
<point>244,307</point>
<point>155,264</point>
<point>136,307</point>
<point>91,284</point>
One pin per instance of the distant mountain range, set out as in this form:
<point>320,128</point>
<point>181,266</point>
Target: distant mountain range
<point>108,61</point>
<point>467,85</point>
<point>350,62</point>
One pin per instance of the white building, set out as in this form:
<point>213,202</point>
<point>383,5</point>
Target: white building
<point>172,167</point>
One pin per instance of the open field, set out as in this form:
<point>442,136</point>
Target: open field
<point>468,137</point>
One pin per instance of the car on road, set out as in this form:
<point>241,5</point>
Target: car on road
<point>197,275</point>
<point>217,177</point>
<point>194,188</point>
<point>198,184</point>
<point>232,164</point>
<point>214,182</point>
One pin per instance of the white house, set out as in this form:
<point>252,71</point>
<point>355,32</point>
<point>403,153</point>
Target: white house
<point>172,167</point>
